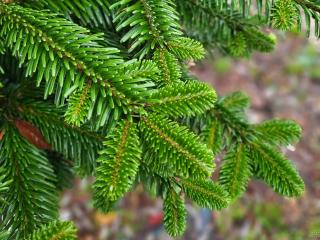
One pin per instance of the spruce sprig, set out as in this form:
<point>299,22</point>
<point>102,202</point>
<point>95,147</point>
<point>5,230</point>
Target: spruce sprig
<point>120,105</point>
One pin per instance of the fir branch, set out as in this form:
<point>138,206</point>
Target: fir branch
<point>79,105</point>
<point>104,206</point>
<point>216,24</point>
<point>235,103</point>
<point>174,214</point>
<point>41,25</point>
<point>55,230</point>
<point>56,57</point>
<point>150,22</point>
<point>284,15</point>
<point>311,11</point>
<point>91,13</point>
<point>232,121</point>
<point>183,99</point>
<point>119,162</point>
<point>259,41</point>
<point>212,135</point>
<point>173,149</point>
<point>277,171</point>
<point>278,132</point>
<point>186,48</point>
<point>130,100</point>
<point>205,193</point>
<point>139,76</point>
<point>31,198</point>
<point>78,144</point>
<point>309,4</point>
<point>206,12</point>
<point>169,66</point>
<point>235,171</point>
<point>237,47</point>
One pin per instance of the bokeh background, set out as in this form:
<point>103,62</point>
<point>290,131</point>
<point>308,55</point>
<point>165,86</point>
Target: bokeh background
<point>282,84</point>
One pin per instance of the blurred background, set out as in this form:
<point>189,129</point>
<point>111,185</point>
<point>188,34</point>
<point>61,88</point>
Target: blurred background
<point>283,84</point>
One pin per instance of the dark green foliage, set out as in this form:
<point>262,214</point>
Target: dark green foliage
<point>213,136</point>
<point>91,13</point>
<point>4,235</point>
<point>119,162</point>
<point>3,184</point>
<point>55,230</point>
<point>205,193</point>
<point>174,214</point>
<point>57,60</point>
<point>186,49</point>
<point>80,145</point>
<point>62,169</point>
<point>279,132</point>
<point>235,171</point>
<point>253,149</point>
<point>154,184</point>
<point>150,24</point>
<point>183,99</point>
<point>23,208</point>
<point>277,171</point>
<point>169,67</point>
<point>236,101</point>
<point>223,27</point>
<point>173,150</point>
<point>161,127</point>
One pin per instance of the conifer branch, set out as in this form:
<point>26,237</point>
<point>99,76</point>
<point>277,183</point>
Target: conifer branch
<point>169,66</point>
<point>91,13</point>
<point>99,85</point>
<point>79,105</point>
<point>205,193</point>
<point>186,48</point>
<point>235,170</point>
<point>174,214</point>
<point>277,171</point>
<point>81,145</point>
<point>309,4</point>
<point>279,132</point>
<point>155,184</point>
<point>27,204</point>
<point>235,101</point>
<point>217,24</point>
<point>56,57</point>
<point>183,99</point>
<point>55,230</point>
<point>212,135</point>
<point>118,163</point>
<point>151,23</point>
<point>174,148</point>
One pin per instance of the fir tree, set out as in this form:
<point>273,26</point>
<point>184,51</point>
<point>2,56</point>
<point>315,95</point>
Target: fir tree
<point>102,88</point>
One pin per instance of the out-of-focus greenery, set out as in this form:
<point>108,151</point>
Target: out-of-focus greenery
<point>222,65</point>
<point>260,220</point>
<point>307,62</point>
